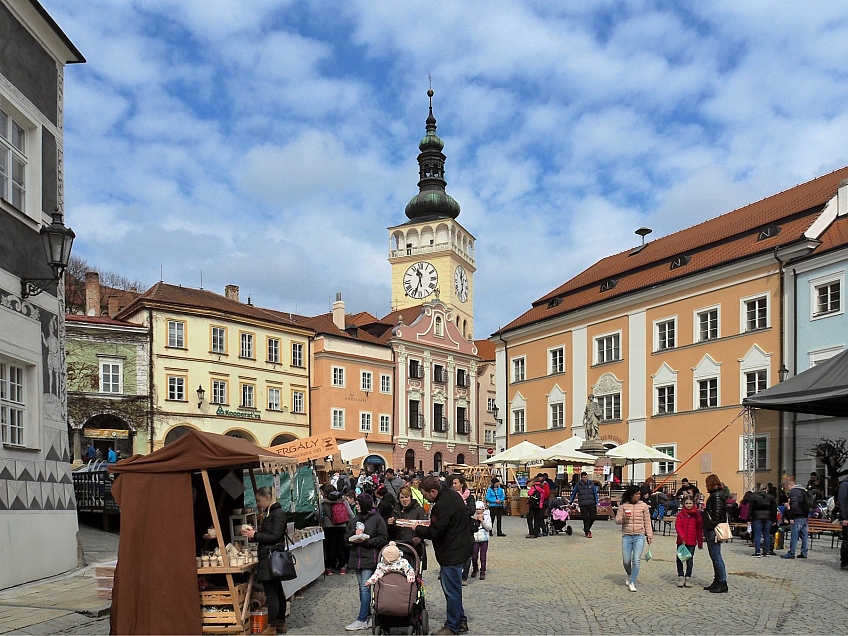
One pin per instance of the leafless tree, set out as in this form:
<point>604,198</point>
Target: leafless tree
<point>833,453</point>
<point>109,280</point>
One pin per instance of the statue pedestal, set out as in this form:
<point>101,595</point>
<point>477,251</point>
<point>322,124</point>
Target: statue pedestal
<point>593,447</point>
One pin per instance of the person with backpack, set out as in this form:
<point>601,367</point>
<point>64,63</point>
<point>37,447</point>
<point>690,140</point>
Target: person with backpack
<point>797,508</point>
<point>690,531</point>
<point>335,514</point>
<point>496,498</point>
<point>586,494</point>
<point>762,508</point>
<point>535,499</point>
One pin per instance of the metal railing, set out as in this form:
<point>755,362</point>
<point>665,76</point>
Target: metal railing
<point>93,491</point>
<point>440,375</point>
<point>416,372</point>
<point>416,420</point>
<point>440,424</point>
<point>463,427</point>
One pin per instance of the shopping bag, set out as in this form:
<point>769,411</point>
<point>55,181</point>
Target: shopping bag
<point>683,553</point>
<point>723,532</point>
<point>648,555</point>
<point>282,563</point>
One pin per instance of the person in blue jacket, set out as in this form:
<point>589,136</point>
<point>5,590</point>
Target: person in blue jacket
<point>587,498</point>
<point>496,498</point>
<point>111,457</point>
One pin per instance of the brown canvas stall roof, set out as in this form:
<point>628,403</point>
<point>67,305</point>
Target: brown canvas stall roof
<point>155,589</point>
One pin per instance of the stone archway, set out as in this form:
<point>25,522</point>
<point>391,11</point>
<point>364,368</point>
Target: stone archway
<point>409,459</point>
<point>242,434</point>
<point>283,438</point>
<point>176,432</point>
<point>107,431</point>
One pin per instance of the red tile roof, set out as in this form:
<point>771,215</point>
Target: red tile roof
<point>324,324</point>
<point>100,320</point>
<point>485,349</point>
<point>409,315</point>
<point>718,241</point>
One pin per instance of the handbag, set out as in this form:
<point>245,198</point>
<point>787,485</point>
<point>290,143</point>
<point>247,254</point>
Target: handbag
<point>723,532</point>
<point>683,553</point>
<point>282,563</point>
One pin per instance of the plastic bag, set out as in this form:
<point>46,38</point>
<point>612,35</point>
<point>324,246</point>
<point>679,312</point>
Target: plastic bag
<point>648,555</point>
<point>683,553</point>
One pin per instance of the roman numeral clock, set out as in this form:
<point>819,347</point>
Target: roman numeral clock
<point>420,280</point>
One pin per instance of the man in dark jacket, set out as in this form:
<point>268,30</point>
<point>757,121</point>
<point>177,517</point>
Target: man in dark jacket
<point>762,510</point>
<point>587,498</point>
<point>842,504</point>
<point>365,554</point>
<point>450,532</point>
<point>393,483</point>
<point>797,515</point>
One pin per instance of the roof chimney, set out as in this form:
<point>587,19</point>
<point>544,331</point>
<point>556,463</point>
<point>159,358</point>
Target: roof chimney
<point>842,198</point>
<point>231,292</point>
<point>114,304</point>
<point>92,294</point>
<point>339,312</point>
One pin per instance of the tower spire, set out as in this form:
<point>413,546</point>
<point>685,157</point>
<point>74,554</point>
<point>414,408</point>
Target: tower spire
<point>431,202</point>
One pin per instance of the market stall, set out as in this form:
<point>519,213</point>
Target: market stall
<point>173,506</point>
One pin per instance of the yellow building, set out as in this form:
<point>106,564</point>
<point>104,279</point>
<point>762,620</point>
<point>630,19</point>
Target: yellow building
<point>223,366</point>
<point>669,337</point>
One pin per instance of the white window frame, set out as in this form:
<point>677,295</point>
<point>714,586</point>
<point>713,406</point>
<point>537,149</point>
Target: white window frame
<point>664,387</point>
<point>31,149</point>
<point>337,419</point>
<point>298,396</point>
<point>743,312</point>
<point>552,419</point>
<point>706,369</point>
<point>366,422</point>
<point>490,404</point>
<point>755,359</point>
<point>178,386</point>
<point>246,391</point>
<point>223,339</point>
<point>696,330</point>
<point>386,383</point>
<point>821,281</point>
<point>274,349</point>
<point>438,327</point>
<point>15,406</point>
<point>366,380</point>
<point>611,397</point>
<point>820,355</point>
<point>337,376</point>
<point>513,366</point>
<point>489,436</point>
<point>745,374</point>
<point>553,370</point>
<point>247,345</point>
<point>216,383</point>
<point>179,334</point>
<point>385,424</point>
<point>519,424</point>
<point>297,355</point>
<point>767,438</point>
<point>275,405</point>
<point>697,406</point>
<point>673,465</point>
<point>612,334</point>
<point>665,376</point>
<point>116,362</point>
<point>659,323</point>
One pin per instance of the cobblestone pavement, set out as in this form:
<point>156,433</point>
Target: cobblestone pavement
<point>562,585</point>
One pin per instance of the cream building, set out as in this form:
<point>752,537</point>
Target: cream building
<point>223,366</point>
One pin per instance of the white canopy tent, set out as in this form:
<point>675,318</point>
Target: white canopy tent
<point>638,453</point>
<point>514,456</point>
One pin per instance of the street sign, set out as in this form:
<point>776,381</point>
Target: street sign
<point>490,451</point>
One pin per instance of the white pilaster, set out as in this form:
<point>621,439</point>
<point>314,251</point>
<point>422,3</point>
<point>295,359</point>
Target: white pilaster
<point>579,386</point>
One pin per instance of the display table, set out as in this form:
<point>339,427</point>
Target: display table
<point>309,556</point>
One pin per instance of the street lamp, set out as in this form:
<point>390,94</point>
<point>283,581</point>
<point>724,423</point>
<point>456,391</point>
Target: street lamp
<point>200,394</point>
<point>783,372</point>
<point>58,241</point>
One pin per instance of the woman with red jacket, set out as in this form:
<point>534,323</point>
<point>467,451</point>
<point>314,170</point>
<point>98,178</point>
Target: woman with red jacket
<point>690,530</point>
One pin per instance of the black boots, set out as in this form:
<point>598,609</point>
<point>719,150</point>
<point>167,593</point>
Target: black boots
<point>712,585</point>
<point>720,588</point>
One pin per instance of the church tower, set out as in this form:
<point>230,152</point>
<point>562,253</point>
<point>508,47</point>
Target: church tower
<point>432,255</point>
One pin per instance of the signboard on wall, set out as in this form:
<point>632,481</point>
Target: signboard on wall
<point>314,447</point>
<point>105,433</point>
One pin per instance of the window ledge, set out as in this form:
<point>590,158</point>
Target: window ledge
<point>247,358</point>
<point>18,447</point>
<point>177,348</point>
<point>606,364</point>
<point>219,403</point>
<point>173,400</point>
<point>272,362</point>
<point>613,421</point>
<point>298,366</point>
<point>218,353</point>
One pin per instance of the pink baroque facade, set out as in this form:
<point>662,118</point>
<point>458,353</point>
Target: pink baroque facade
<point>436,398</point>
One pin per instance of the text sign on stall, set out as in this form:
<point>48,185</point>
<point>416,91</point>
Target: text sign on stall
<point>314,447</point>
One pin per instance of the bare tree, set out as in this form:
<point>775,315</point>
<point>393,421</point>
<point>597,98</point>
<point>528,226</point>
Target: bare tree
<point>109,281</point>
<point>833,453</point>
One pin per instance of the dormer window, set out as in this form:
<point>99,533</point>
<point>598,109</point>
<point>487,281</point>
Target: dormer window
<point>679,261</point>
<point>608,284</point>
<point>554,302</point>
<point>769,231</point>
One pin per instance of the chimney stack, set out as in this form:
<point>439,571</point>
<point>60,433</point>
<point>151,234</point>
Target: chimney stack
<point>231,292</point>
<point>842,198</point>
<point>339,312</point>
<point>113,303</point>
<point>92,294</point>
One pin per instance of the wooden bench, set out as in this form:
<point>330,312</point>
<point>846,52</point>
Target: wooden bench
<point>818,527</point>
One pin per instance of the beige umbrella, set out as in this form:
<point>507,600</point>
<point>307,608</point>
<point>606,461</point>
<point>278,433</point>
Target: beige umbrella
<point>638,453</point>
<point>516,455</point>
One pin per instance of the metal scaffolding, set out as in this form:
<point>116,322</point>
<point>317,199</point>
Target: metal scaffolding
<point>749,458</point>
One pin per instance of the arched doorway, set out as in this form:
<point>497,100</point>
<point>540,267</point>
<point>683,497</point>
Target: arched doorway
<point>176,433</point>
<point>283,438</point>
<point>409,459</point>
<point>107,431</point>
<point>241,434</point>
<point>437,462</point>
<point>460,459</point>
<point>374,463</point>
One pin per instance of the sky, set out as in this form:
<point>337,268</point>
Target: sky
<point>270,143</point>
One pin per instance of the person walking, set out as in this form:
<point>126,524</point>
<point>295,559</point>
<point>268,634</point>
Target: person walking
<point>797,509</point>
<point>496,499</point>
<point>481,524</point>
<point>762,509</point>
<point>842,504</point>
<point>335,515</point>
<point>634,517</point>
<point>535,497</point>
<point>271,532</point>
<point>365,554</point>
<point>460,485</point>
<point>715,512</point>
<point>450,532</point>
<point>690,532</point>
<point>393,483</point>
<point>587,498</point>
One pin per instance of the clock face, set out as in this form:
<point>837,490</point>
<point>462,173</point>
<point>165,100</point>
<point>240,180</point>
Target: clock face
<point>420,280</point>
<point>460,283</point>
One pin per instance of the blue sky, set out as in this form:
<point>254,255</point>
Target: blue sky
<point>270,143</point>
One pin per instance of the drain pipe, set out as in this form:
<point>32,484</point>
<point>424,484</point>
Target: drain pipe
<point>782,366</point>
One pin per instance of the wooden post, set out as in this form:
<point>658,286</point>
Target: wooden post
<point>215,522</point>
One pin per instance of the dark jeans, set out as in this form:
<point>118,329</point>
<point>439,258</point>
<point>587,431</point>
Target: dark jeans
<point>480,549</point>
<point>714,548</point>
<point>588,514</point>
<point>689,563</point>
<point>451,577</point>
<point>843,555</point>
<point>534,521</point>
<point>275,599</point>
<point>466,569</point>
<point>762,534</point>
<point>497,517</point>
<point>334,548</point>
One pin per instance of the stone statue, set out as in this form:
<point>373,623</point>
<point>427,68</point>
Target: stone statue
<point>592,418</point>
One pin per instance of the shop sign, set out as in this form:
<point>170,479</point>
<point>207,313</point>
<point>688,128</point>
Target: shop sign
<point>105,433</point>
<point>612,438</point>
<point>314,447</point>
<point>244,414</point>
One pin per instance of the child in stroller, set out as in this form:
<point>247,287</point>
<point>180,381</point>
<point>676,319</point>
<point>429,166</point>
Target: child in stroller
<point>397,604</point>
<point>558,517</point>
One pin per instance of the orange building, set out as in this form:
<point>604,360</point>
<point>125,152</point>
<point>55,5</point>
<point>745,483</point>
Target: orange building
<point>669,337</point>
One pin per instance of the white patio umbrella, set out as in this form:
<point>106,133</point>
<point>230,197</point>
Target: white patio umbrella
<point>638,453</point>
<point>515,455</point>
<point>561,453</point>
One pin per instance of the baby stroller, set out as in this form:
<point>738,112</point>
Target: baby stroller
<point>558,517</point>
<point>397,606</point>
